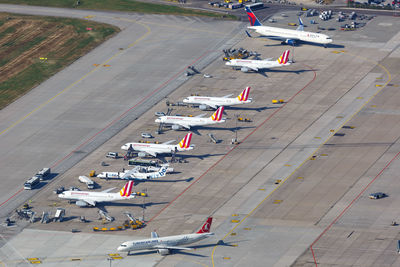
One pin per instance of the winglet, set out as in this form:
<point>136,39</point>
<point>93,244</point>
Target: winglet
<point>217,116</point>
<point>284,58</point>
<point>206,226</point>
<point>127,189</point>
<point>252,18</point>
<point>244,95</point>
<point>185,143</point>
<point>301,25</point>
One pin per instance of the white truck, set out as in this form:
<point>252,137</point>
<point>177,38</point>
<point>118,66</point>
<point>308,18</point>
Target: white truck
<point>87,181</point>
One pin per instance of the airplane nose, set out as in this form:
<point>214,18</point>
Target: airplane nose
<point>157,120</point>
<point>124,147</point>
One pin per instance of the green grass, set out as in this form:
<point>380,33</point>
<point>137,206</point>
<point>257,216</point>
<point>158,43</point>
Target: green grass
<point>39,70</point>
<point>121,5</point>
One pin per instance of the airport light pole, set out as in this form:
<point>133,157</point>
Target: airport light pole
<point>110,260</point>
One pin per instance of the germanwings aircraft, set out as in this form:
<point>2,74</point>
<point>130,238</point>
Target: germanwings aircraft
<point>178,122</point>
<point>163,245</point>
<point>164,148</point>
<point>87,198</point>
<point>246,65</point>
<point>214,102</point>
<point>287,36</point>
<point>134,174</point>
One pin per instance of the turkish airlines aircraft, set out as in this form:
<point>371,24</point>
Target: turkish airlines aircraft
<point>246,65</point>
<point>187,122</point>
<point>214,102</point>
<point>163,245</point>
<point>134,174</point>
<point>164,148</point>
<point>88,198</point>
<point>287,36</point>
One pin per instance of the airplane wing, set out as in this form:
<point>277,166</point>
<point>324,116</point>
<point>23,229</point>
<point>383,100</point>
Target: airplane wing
<point>201,115</point>
<point>172,247</point>
<point>185,126</point>
<point>90,202</point>
<point>105,191</point>
<point>210,104</point>
<point>128,174</point>
<point>166,143</point>
<point>268,59</point>
<point>228,96</point>
<point>153,153</point>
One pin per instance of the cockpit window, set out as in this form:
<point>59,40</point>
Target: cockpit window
<point>123,245</point>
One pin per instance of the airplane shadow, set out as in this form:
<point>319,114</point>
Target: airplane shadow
<point>246,108</point>
<point>164,181</point>
<point>183,157</point>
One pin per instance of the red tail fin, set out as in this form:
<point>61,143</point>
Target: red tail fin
<point>284,58</point>
<point>217,116</point>
<point>244,95</point>
<point>206,226</point>
<point>185,143</point>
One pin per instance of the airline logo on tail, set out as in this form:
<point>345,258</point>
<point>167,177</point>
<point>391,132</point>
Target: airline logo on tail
<point>206,226</point>
<point>252,18</point>
<point>185,143</point>
<point>244,95</point>
<point>217,116</point>
<point>127,189</point>
<point>284,58</point>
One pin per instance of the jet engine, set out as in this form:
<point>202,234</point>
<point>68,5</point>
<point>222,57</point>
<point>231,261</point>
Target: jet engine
<point>244,69</point>
<point>163,251</point>
<point>290,42</point>
<point>81,203</point>
<point>142,154</point>
<point>175,127</point>
<point>203,107</point>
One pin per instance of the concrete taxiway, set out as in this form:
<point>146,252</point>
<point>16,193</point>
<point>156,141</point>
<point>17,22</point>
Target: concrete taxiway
<point>272,195</point>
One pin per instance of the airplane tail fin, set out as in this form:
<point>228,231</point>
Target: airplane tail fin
<point>252,18</point>
<point>301,25</point>
<point>217,116</point>
<point>127,189</point>
<point>163,171</point>
<point>284,58</point>
<point>185,143</point>
<point>244,95</point>
<point>206,226</point>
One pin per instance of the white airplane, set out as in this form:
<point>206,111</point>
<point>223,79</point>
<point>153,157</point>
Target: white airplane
<point>164,148</point>
<point>246,65</point>
<point>186,122</point>
<point>214,102</point>
<point>134,174</point>
<point>287,36</point>
<point>88,198</point>
<point>163,245</point>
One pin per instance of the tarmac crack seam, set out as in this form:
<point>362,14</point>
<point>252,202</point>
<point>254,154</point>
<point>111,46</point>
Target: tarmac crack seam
<point>373,180</point>
<point>298,167</point>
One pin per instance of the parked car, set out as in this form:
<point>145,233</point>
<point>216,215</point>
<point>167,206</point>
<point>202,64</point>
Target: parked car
<point>377,195</point>
<point>147,135</point>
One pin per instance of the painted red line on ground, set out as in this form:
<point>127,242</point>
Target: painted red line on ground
<point>19,191</point>
<point>345,209</point>
<point>117,119</point>
<point>232,149</point>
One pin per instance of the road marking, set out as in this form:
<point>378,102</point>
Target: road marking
<point>313,157</point>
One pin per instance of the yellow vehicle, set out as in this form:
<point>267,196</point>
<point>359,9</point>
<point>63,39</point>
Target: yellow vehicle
<point>292,24</point>
<point>304,9</point>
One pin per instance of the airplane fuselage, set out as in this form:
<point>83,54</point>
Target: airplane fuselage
<point>282,34</point>
<point>186,122</point>
<point>159,242</point>
<point>255,64</point>
<point>93,196</point>
<point>215,101</point>
<point>156,148</point>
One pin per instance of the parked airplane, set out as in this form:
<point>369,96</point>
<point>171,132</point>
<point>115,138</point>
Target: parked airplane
<point>214,102</point>
<point>164,148</point>
<point>178,122</point>
<point>134,174</point>
<point>163,245</point>
<point>287,36</point>
<point>246,65</point>
<point>88,198</point>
